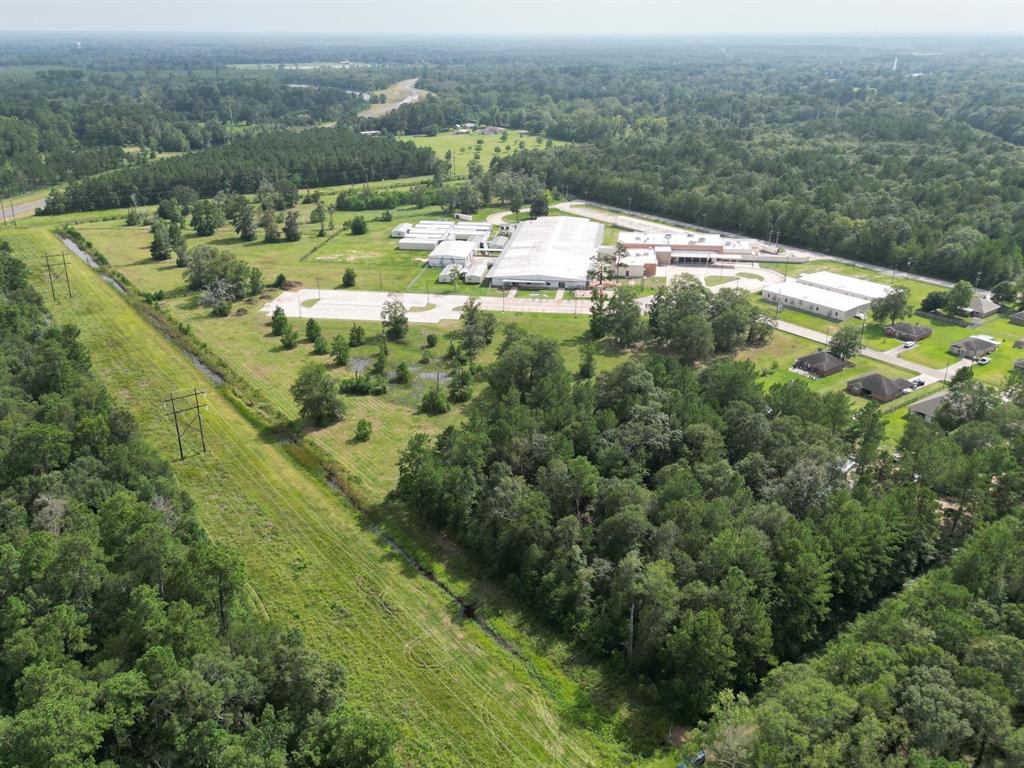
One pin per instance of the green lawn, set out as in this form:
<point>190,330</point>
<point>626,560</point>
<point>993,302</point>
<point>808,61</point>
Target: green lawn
<point>457,696</point>
<point>463,146</point>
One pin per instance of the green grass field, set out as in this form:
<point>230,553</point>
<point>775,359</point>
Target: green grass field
<point>457,696</point>
<point>463,146</point>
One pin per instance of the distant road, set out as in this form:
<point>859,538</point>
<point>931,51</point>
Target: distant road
<point>26,208</point>
<point>402,92</point>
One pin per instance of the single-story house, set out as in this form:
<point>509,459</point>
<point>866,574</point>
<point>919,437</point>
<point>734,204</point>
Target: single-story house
<point>878,387</point>
<point>1018,344</point>
<point>982,306</point>
<point>1018,365</point>
<point>927,407</point>
<point>1017,318</point>
<point>821,364</point>
<point>908,331</point>
<point>972,348</point>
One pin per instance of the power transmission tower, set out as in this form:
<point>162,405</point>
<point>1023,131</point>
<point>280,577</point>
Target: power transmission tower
<point>54,270</point>
<point>187,411</point>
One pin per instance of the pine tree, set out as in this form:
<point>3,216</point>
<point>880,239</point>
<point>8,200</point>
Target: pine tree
<point>291,226</point>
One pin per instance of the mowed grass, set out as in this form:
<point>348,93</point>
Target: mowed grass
<point>456,696</point>
<point>463,146</point>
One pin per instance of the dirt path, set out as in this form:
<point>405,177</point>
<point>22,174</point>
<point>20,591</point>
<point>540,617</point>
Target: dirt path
<point>402,92</point>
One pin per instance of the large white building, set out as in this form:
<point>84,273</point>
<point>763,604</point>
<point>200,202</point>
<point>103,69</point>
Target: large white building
<point>818,301</point>
<point>548,252</point>
<point>851,286</point>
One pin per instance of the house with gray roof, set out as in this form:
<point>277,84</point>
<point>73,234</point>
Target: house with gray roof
<point>878,387</point>
<point>973,347</point>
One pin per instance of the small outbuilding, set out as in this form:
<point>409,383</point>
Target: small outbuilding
<point>401,230</point>
<point>447,274</point>
<point>476,273</point>
<point>928,407</point>
<point>982,306</point>
<point>973,347</point>
<point>880,388</point>
<point>908,331</point>
<point>821,364</point>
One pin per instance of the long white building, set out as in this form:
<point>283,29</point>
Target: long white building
<point>817,301</point>
<point>548,252</point>
<point>851,286</point>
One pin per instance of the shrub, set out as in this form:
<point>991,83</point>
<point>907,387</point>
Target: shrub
<point>278,321</point>
<point>313,331</point>
<point>348,280</point>
<point>402,374</point>
<point>435,402</point>
<point>339,349</point>
<point>320,345</point>
<point>364,385</point>
<point>363,431</point>
<point>356,336</point>
<point>279,281</point>
<point>431,340</point>
<point>358,226</point>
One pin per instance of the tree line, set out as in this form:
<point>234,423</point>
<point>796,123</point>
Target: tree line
<point>125,636</point>
<point>314,157</point>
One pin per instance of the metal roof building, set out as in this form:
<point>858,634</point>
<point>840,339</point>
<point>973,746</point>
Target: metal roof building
<point>818,301</point>
<point>851,286</point>
<point>446,252</point>
<point>548,252</point>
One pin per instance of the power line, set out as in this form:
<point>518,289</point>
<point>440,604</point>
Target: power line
<point>54,270</point>
<point>187,411</point>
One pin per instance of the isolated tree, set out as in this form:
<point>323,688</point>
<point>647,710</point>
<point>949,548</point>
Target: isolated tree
<point>435,402</point>
<point>845,342</point>
<point>358,226</point>
<point>320,345</point>
<point>289,336</point>
<point>339,350</point>
<point>169,210</point>
<point>161,247</point>
<point>958,298</point>
<point>316,394</point>
<point>245,223</point>
<point>292,232</point>
<point>539,207</point>
<point>891,307</point>
<point>588,363</point>
<point>207,216</point>
<point>271,230</point>
<point>348,279</point>
<point>460,385</point>
<point>393,317</point>
<point>356,336</point>
<point>380,359</point>
<point>364,430</point>
<point>313,331</point>
<point>278,321</point>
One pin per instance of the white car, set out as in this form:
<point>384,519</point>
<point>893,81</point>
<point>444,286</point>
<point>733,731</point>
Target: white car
<point>984,360</point>
<point>909,344</point>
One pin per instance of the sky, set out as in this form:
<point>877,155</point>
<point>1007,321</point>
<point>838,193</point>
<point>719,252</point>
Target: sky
<point>520,17</point>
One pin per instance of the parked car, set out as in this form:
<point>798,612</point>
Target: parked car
<point>915,383</point>
<point>909,344</point>
<point>984,360</point>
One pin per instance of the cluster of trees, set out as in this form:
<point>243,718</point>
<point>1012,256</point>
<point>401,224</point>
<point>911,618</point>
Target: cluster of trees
<point>314,157</point>
<point>954,302</point>
<point>125,637</point>
<point>684,316</point>
<point>932,678</point>
<point>692,525</point>
<point>221,277</point>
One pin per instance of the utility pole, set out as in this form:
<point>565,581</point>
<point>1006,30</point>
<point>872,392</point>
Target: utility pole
<point>187,411</point>
<point>52,267</point>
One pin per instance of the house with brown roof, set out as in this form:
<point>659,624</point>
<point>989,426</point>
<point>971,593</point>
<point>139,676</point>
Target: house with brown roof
<point>908,331</point>
<point>878,387</point>
<point>821,363</point>
<point>982,306</point>
<point>929,406</point>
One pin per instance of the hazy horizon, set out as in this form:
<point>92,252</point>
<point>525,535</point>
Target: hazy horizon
<point>528,18</point>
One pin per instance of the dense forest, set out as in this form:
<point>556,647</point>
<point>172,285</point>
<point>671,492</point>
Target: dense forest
<point>315,157</point>
<point>694,526</point>
<point>933,678</point>
<point>125,636</point>
<point>59,124</point>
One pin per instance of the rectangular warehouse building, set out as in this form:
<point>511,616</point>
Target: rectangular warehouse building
<point>549,252</point>
<point>851,286</point>
<point>817,301</point>
<point>457,252</point>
